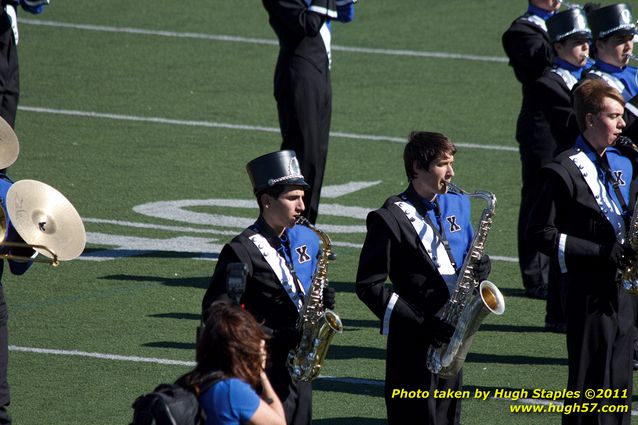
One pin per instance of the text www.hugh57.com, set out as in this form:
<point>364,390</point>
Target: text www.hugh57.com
<point>569,408</point>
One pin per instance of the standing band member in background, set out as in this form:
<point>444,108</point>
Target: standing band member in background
<point>302,82</point>
<point>9,94</point>
<point>9,72</point>
<point>613,30</point>
<point>418,239</point>
<point>530,53</point>
<point>570,37</point>
<point>579,219</point>
<point>281,258</point>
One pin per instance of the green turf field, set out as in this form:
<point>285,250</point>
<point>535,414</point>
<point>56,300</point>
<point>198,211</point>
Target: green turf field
<point>144,115</point>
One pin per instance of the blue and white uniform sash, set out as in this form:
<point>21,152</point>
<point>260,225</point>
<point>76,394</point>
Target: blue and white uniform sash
<point>610,206</point>
<point>278,265</point>
<point>432,244</point>
<point>605,200</point>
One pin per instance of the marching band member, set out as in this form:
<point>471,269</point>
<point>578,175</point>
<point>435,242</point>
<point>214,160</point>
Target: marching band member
<point>302,85</point>
<point>17,268</point>
<point>613,31</point>
<point>570,37</point>
<point>579,220</point>
<point>530,53</point>
<point>281,258</point>
<point>9,73</point>
<point>419,239</point>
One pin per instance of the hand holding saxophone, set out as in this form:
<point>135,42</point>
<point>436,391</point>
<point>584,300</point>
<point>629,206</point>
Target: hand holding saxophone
<point>620,255</point>
<point>440,331</point>
<point>329,298</point>
<point>482,268</point>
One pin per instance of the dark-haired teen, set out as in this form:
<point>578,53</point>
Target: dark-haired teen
<point>419,239</point>
<point>281,259</point>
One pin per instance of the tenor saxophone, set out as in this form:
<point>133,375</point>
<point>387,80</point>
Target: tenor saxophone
<point>316,324</point>
<point>467,307</point>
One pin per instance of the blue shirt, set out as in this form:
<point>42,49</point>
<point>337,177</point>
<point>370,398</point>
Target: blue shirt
<point>541,13</point>
<point>229,402</point>
<point>576,71</point>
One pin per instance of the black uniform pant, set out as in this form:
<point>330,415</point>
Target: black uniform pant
<point>537,269</point>
<point>304,104</point>
<point>533,264</point>
<point>600,338</point>
<point>406,382</point>
<point>9,75</point>
<point>296,397</point>
<point>4,359</point>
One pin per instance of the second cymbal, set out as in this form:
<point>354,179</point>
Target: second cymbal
<point>43,216</point>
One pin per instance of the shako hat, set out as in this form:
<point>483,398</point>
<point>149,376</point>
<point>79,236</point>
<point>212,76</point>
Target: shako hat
<point>612,19</point>
<point>567,23</point>
<point>273,169</point>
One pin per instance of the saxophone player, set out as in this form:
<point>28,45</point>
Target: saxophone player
<point>280,259</point>
<point>583,201</point>
<point>418,239</point>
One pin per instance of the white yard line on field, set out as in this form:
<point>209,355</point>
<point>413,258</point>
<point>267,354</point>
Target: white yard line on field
<point>241,127</point>
<point>260,41</point>
<point>154,360</point>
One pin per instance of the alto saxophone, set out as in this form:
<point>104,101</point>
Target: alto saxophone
<point>629,274</point>
<point>467,307</point>
<point>317,324</point>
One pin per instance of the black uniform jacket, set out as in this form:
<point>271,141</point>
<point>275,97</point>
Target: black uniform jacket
<point>566,205</point>
<point>529,51</point>
<point>298,31</point>
<point>264,296</point>
<point>393,248</point>
<point>553,96</point>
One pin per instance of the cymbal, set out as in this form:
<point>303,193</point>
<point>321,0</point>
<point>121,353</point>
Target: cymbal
<point>9,146</point>
<point>43,216</point>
